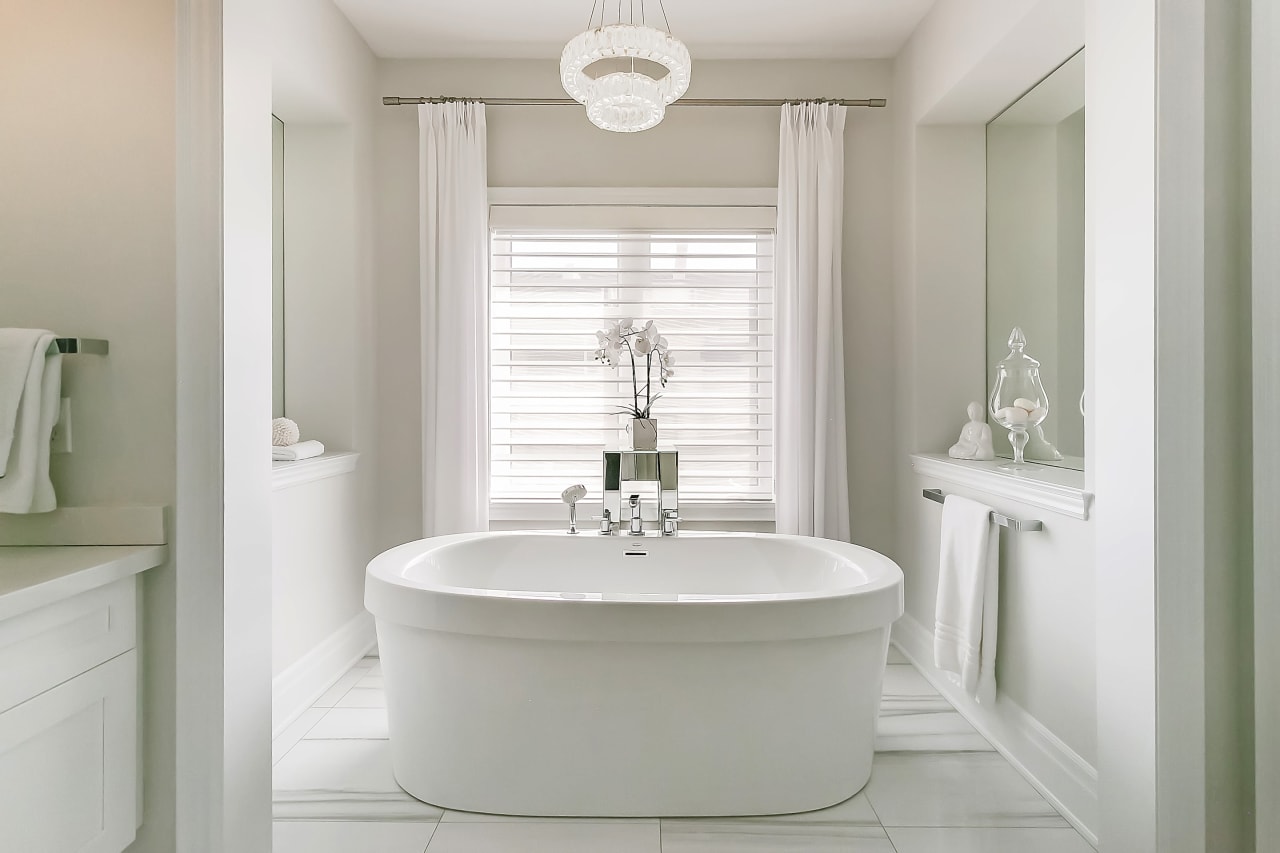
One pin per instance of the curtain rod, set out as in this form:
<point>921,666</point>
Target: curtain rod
<point>685,102</point>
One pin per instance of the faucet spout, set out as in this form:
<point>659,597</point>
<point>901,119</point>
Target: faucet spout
<point>637,522</point>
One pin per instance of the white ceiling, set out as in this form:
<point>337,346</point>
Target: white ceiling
<point>713,29</point>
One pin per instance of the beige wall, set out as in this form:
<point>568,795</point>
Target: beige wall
<point>693,147</point>
<point>87,247</point>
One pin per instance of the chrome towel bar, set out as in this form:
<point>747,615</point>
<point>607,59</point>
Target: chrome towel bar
<point>999,518</point>
<point>88,346</point>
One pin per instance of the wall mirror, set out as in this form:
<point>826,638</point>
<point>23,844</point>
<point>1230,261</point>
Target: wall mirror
<point>1035,253</point>
<point>277,268</point>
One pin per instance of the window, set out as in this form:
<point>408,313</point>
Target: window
<point>706,281</point>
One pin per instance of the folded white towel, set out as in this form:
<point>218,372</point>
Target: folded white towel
<point>964,638</point>
<point>296,452</point>
<point>30,388</point>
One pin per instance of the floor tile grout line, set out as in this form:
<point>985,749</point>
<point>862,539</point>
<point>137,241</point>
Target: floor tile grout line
<point>303,736</point>
<point>434,830</point>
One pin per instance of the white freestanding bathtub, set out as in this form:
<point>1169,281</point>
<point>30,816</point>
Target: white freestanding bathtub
<point>704,674</point>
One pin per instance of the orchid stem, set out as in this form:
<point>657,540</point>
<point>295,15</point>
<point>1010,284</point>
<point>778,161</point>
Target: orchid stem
<point>635,385</point>
<point>648,382</point>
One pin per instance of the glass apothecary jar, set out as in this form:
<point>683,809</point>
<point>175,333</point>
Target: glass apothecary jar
<point>1018,400</point>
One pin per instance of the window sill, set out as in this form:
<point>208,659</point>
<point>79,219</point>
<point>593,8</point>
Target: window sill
<point>693,511</point>
<point>332,464</point>
<point>1057,489</point>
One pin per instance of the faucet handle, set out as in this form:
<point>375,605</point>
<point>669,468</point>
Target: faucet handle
<point>606,523</point>
<point>669,520</point>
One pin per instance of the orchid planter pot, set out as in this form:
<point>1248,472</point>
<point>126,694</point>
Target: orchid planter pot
<point>643,433</point>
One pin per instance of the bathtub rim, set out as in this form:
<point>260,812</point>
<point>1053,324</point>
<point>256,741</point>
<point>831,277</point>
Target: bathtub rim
<point>392,597</point>
<point>391,567</point>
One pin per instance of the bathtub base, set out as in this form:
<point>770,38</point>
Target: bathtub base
<point>567,728</point>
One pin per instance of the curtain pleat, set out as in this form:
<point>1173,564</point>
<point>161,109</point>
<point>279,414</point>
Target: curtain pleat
<point>812,477</point>
<point>454,258</point>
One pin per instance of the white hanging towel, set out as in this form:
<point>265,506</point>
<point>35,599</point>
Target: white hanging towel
<point>30,387</point>
<point>964,632</point>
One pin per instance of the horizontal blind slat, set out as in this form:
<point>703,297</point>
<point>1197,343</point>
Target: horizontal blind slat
<point>709,290</point>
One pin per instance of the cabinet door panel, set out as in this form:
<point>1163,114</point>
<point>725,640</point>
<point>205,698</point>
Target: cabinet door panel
<point>68,764</point>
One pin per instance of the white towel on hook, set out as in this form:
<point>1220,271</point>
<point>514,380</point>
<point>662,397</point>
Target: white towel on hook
<point>18,349</point>
<point>964,632</point>
<point>30,388</point>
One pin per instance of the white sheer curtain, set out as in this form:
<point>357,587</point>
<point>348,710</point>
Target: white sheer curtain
<point>812,480</point>
<point>454,258</point>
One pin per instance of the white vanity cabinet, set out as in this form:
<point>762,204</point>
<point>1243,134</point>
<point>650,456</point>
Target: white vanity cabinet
<point>69,762</point>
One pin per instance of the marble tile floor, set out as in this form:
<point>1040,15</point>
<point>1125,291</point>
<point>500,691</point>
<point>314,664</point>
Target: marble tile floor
<point>937,787</point>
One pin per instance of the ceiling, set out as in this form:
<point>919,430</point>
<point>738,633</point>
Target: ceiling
<point>713,29</point>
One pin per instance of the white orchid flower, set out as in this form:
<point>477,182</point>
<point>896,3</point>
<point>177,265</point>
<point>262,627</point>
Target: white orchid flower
<point>611,336</point>
<point>644,341</point>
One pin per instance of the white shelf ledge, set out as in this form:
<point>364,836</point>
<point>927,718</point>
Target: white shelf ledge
<point>1059,490</point>
<point>286,474</point>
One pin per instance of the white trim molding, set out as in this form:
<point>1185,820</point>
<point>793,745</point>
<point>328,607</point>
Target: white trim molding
<point>286,474</point>
<point>1058,772</point>
<point>306,679</point>
<point>636,196</point>
<point>1059,490</point>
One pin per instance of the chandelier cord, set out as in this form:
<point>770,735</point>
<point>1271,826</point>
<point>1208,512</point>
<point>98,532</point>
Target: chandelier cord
<point>663,7</point>
<point>592,16</point>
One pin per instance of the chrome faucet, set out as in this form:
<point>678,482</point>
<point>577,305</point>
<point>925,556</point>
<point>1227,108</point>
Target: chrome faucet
<point>669,522</point>
<point>637,523</point>
<point>606,524</point>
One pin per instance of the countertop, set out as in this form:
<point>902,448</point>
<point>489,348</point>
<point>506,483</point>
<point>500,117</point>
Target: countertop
<point>33,576</point>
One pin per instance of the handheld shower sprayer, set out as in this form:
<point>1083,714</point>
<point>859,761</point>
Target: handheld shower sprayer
<point>571,496</point>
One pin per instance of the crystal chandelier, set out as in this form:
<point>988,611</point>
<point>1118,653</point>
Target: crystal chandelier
<point>629,99</point>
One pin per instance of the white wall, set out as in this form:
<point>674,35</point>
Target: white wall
<point>318,555</point>
<point>693,147</point>
<point>963,65</point>
<point>323,89</point>
<point>87,248</point>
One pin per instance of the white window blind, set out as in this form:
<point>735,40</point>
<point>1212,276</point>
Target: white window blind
<point>708,289</point>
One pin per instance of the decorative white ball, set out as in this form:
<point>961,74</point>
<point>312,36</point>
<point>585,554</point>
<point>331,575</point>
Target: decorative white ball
<point>284,432</point>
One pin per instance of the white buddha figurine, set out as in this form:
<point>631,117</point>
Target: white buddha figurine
<point>975,438</point>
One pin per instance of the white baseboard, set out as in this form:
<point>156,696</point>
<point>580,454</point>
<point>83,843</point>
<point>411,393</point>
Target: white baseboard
<point>1064,778</point>
<point>298,687</point>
